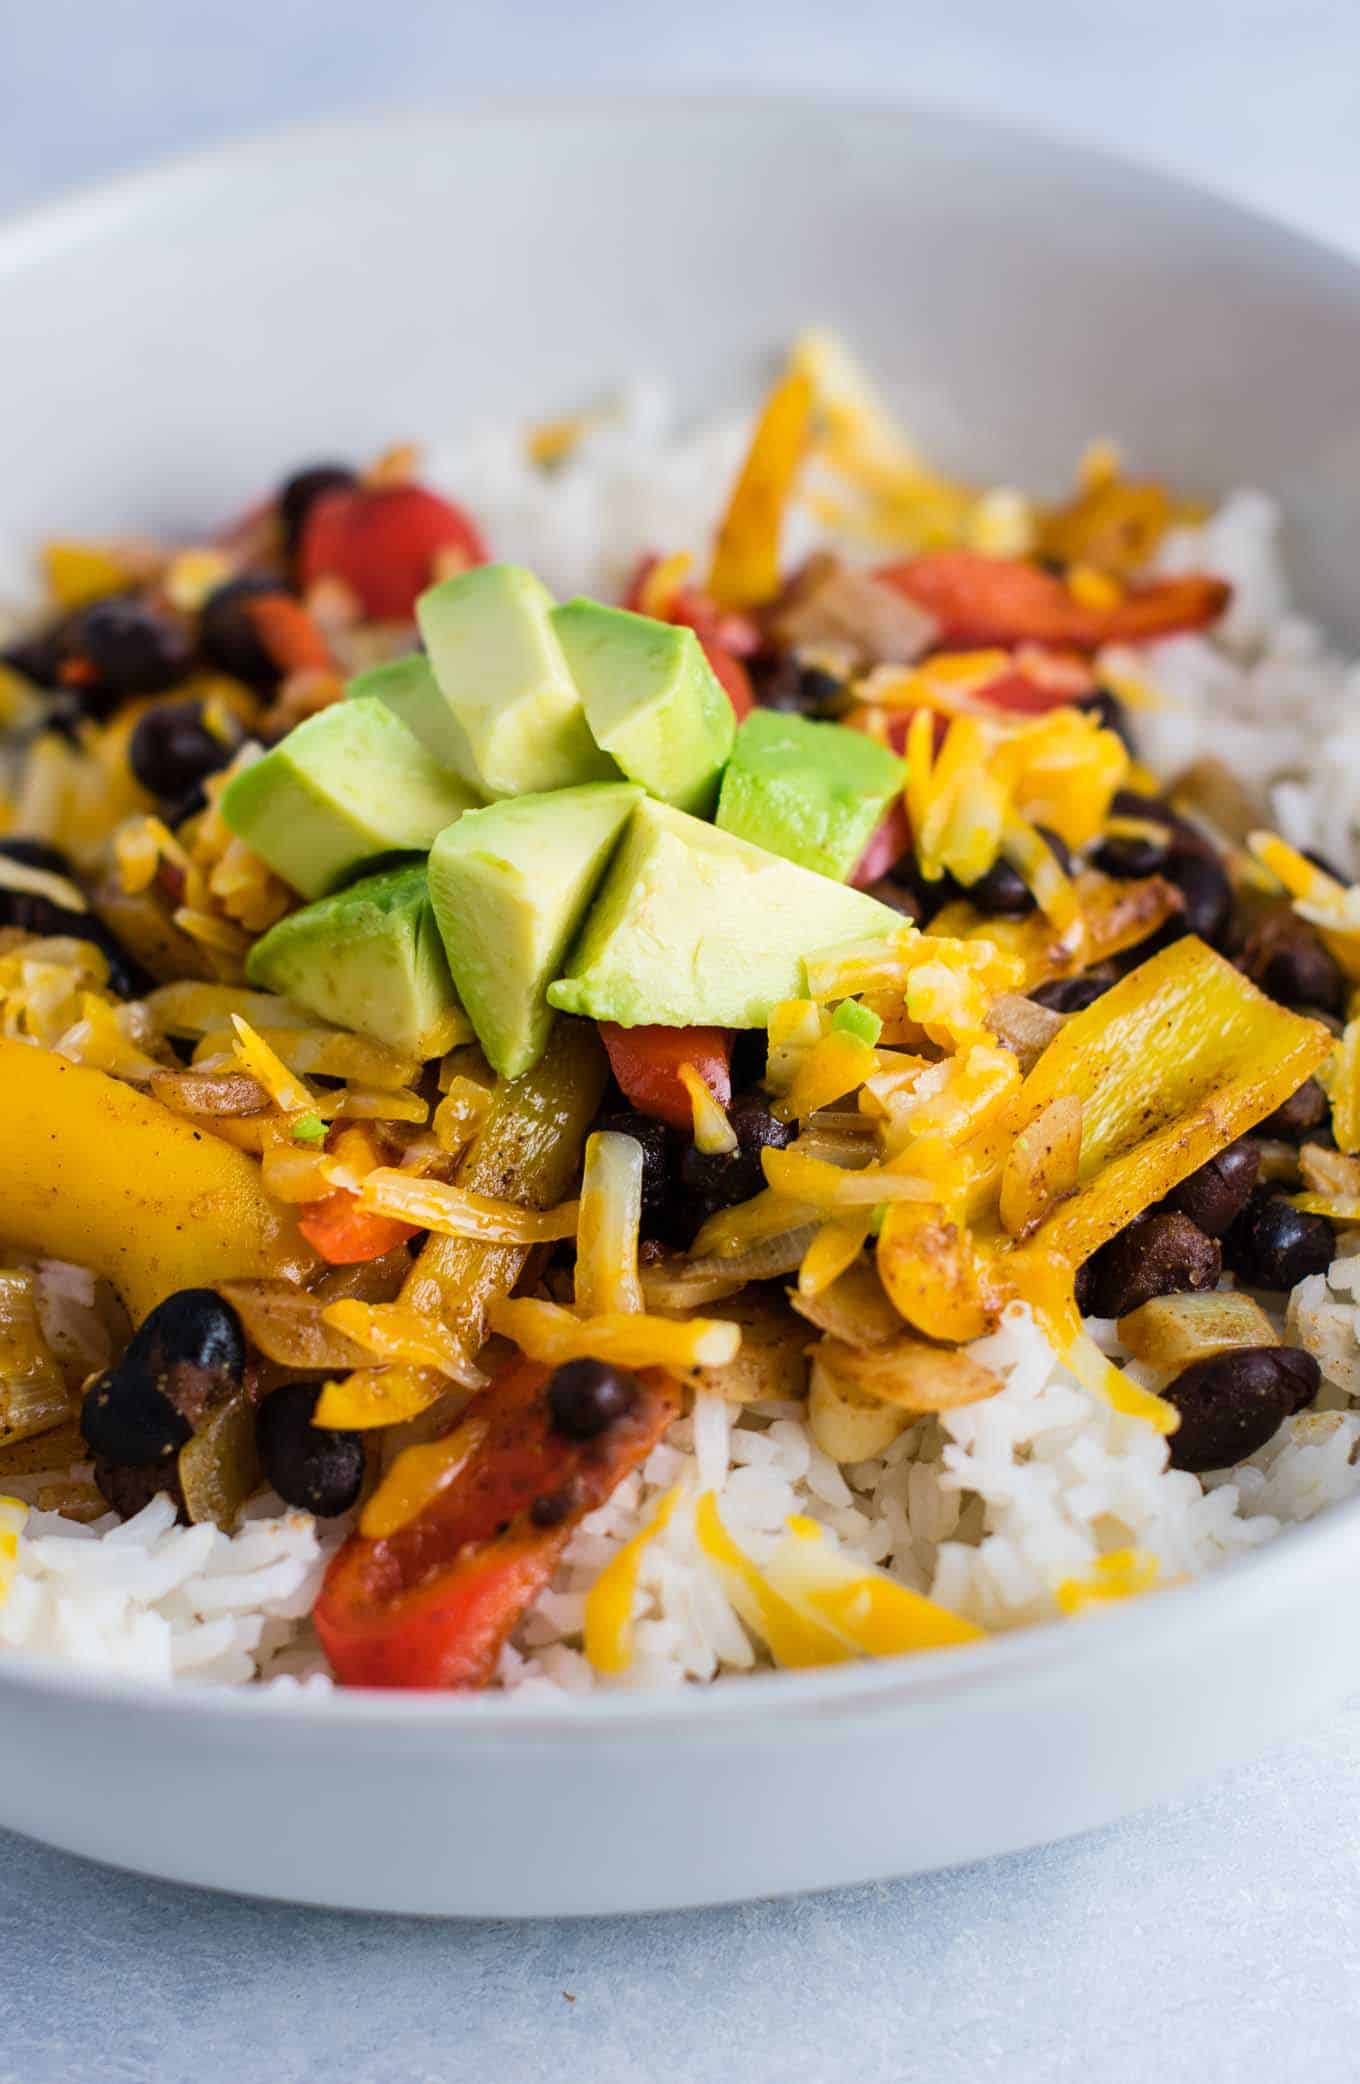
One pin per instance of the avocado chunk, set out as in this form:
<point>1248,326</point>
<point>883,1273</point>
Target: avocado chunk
<point>651,698</point>
<point>811,792</point>
<point>368,958</point>
<point>499,668</point>
<point>695,927</point>
<point>341,790</point>
<point>510,885</point>
<point>408,687</point>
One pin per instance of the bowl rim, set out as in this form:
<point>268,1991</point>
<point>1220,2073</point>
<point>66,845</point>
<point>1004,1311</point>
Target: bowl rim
<point>1283,1565</point>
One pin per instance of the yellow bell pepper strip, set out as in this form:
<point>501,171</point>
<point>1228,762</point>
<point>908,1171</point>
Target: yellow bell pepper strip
<point>928,1266</point>
<point>99,1173</point>
<point>745,569</point>
<point>1171,1065</point>
<point>431,1604</point>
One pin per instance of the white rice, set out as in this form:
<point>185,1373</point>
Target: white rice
<point>989,1509</point>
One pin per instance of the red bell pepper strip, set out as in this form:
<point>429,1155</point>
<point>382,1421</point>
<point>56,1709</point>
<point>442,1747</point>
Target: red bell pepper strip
<point>979,601</point>
<point>726,638</point>
<point>347,1235</point>
<point>385,541</point>
<point>646,1062</point>
<point>433,1604</point>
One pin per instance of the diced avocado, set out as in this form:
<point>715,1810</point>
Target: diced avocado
<point>408,687</point>
<point>368,958</point>
<point>499,668</point>
<point>695,927</point>
<point>811,792</point>
<point>510,885</point>
<point>341,790</point>
<point>651,698</point>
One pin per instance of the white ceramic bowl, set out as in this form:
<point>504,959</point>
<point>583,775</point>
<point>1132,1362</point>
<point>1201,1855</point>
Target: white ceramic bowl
<point>168,343</point>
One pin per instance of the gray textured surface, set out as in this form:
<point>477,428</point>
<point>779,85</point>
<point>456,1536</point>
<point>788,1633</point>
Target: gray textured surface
<point>1212,1939</point>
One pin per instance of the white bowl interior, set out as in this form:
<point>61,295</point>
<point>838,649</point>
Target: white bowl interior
<point>170,342</point>
<point>173,343</point>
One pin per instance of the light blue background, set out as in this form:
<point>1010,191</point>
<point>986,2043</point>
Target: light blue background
<point>1213,1939</point>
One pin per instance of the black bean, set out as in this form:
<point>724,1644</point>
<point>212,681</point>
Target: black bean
<point>749,1056</point>
<point>656,1142</point>
<point>34,913</point>
<point>927,897</point>
<point>553,1507</point>
<point>720,1179</point>
<point>171,750</point>
<point>191,1350</point>
<point>229,638</point>
<point>299,493</point>
<point>1105,704</point>
<point>121,647</point>
<point>130,1486</point>
<point>38,853</point>
<point>587,1396</point>
<point>1287,960</point>
<point>1232,1403</point>
<point>1074,994</point>
<point>1305,1110</point>
<point>898,897</point>
<point>784,684</point>
<point>125,1417</point>
<point>1003,893</point>
<point>1274,1245</point>
<point>1215,1195</point>
<point>317,1468</point>
<point>1160,1253</point>
<point>38,656</point>
<point>1128,855</point>
<point>1205,892</point>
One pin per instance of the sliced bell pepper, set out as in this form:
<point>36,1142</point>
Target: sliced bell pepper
<point>745,570</point>
<point>978,600</point>
<point>432,1604</point>
<point>1170,1066</point>
<point>646,1062</point>
<point>347,1235</point>
<point>102,1174</point>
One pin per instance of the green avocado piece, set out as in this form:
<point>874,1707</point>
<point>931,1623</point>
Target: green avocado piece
<point>651,698</point>
<point>693,926</point>
<point>368,958</point>
<point>811,792</point>
<point>341,790</point>
<point>409,689</point>
<point>510,885</point>
<point>499,668</point>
